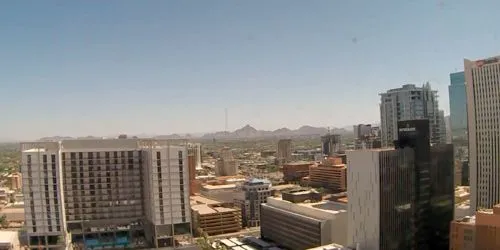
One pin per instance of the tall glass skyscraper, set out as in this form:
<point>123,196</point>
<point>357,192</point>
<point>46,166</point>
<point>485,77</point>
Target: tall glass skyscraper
<point>458,104</point>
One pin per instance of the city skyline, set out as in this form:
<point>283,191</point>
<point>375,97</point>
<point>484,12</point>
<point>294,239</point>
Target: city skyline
<point>81,69</point>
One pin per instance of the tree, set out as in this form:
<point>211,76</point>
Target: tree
<point>205,243</point>
<point>3,221</point>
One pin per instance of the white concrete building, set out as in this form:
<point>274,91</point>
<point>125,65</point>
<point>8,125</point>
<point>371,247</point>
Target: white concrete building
<point>106,191</point>
<point>195,148</point>
<point>363,192</point>
<point>482,79</point>
<point>409,103</point>
<point>315,224</point>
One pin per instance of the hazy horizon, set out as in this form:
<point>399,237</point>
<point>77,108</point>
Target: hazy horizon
<point>83,68</point>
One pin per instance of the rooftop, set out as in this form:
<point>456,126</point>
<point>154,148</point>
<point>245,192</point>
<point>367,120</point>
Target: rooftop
<point>204,209</point>
<point>216,187</point>
<point>198,199</point>
<point>8,236</point>
<point>297,163</point>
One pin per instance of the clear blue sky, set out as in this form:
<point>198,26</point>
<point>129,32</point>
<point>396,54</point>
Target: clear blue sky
<point>105,67</point>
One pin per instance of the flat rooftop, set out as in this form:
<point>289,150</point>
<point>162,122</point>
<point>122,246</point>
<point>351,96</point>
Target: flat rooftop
<point>216,187</point>
<point>198,199</point>
<point>203,209</point>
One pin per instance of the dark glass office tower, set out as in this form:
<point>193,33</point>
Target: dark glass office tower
<point>415,134</point>
<point>433,191</point>
<point>442,195</point>
<point>397,186</point>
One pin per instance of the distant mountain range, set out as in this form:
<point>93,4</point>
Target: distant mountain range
<point>244,132</point>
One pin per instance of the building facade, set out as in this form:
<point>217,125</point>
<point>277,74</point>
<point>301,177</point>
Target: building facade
<point>483,94</point>
<point>458,104</point>
<point>255,192</point>
<point>106,193</point>
<point>480,231</point>
<point>284,151</point>
<point>379,210</point>
<point>303,225</point>
<point>409,103</point>
<point>402,198</point>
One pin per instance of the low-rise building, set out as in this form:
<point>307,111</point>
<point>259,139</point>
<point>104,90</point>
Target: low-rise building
<point>331,174</point>
<point>9,240</point>
<point>480,231</point>
<point>224,193</point>
<point>303,225</point>
<point>214,217</point>
<point>295,171</point>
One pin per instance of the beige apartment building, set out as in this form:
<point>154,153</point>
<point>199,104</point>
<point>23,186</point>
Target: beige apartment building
<point>106,193</point>
<point>479,232</point>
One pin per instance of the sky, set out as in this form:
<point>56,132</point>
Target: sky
<point>78,68</point>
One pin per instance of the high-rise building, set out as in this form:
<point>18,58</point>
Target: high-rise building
<point>402,198</point>
<point>284,152</point>
<point>194,163</point>
<point>410,103</point>
<point>226,165</point>
<point>379,207</point>
<point>482,79</point>
<point>458,104</point>
<point>106,193</point>
<point>330,144</point>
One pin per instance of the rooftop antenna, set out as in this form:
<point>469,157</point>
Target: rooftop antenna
<point>225,120</point>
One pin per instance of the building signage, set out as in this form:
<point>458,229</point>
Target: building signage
<point>407,129</point>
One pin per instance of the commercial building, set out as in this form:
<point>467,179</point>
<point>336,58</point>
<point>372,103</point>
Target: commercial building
<point>330,144</point>
<point>331,174</point>
<point>14,181</point>
<point>410,103</point>
<point>373,221</point>
<point>477,232</point>
<point>255,192</point>
<point>105,193</point>
<point>458,104</point>
<point>194,163</point>
<point>284,151</point>
<point>483,78</point>
<point>293,172</point>
<point>224,192</point>
<point>226,165</point>
<point>401,198</point>
<point>303,225</point>
<point>214,217</point>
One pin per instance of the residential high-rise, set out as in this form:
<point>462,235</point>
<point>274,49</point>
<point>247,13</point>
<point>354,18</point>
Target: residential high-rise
<point>401,198</point>
<point>284,152</point>
<point>458,104</point>
<point>482,79</point>
<point>114,192</point>
<point>410,103</point>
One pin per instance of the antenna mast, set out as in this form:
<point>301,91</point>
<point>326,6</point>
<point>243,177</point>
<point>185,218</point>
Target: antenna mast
<point>225,120</point>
